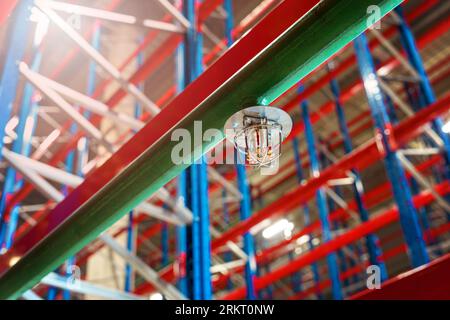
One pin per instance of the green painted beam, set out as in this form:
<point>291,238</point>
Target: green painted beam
<point>306,44</point>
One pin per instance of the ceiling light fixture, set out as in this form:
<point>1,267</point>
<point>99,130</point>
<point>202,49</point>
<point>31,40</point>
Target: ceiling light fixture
<point>281,226</point>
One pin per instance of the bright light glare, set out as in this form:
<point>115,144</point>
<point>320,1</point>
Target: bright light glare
<point>156,296</point>
<point>42,22</point>
<point>282,225</point>
<point>372,84</point>
<point>446,127</point>
<point>13,261</point>
<point>303,239</point>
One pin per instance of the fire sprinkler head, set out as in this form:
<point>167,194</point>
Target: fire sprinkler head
<point>257,133</point>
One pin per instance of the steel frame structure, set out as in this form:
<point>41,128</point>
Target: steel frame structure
<point>240,75</point>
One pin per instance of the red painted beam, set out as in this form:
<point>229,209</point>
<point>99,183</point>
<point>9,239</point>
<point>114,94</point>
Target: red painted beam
<point>371,198</point>
<point>148,67</point>
<point>429,282</point>
<point>351,60</point>
<point>237,57</point>
<point>61,154</point>
<point>115,99</point>
<point>145,117</point>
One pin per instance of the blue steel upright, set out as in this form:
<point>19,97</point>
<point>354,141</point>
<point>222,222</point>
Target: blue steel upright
<point>181,231</point>
<point>306,215</point>
<point>203,188</point>
<point>164,245</point>
<point>342,259</point>
<point>243,185</point>
<point>425,93</point>
<point>195,263</point>
<point>372,241</point>
<point>402,193</point>
<point>321,201</point>
<point>245,213</point>
<point>229,21</point>
<point>198,252</point>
